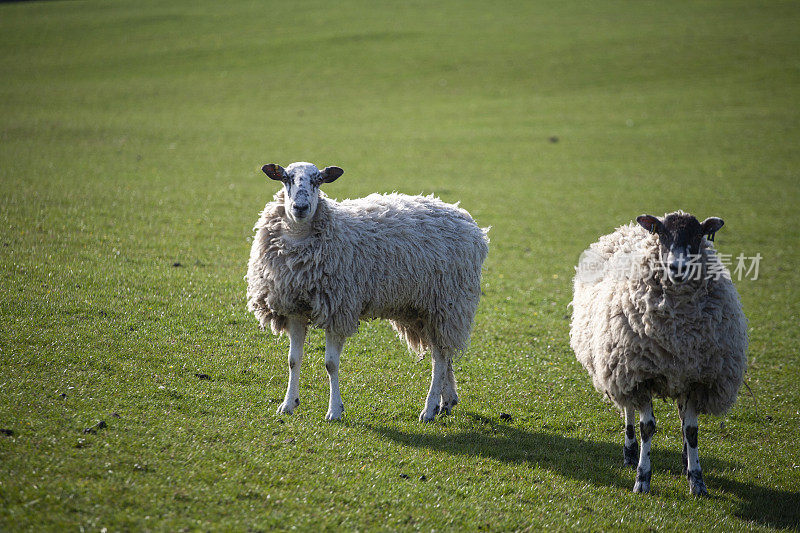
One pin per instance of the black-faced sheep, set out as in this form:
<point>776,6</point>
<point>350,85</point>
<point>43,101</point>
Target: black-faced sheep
<point>655,313</point>
<point>414,260</point>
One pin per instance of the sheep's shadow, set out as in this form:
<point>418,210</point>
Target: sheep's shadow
<point>599,463</point>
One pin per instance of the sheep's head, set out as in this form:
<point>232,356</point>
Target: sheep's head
<point>301,182</point>
<point>680,235</point>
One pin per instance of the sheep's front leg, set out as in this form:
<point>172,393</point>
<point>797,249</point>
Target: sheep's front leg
<point>297,336</point>
<point>693,472</point>
<point>333,349</point>
<point>647,428</point>
<point>449,392</point>
<point>630,451</point>
<point>438,376</point>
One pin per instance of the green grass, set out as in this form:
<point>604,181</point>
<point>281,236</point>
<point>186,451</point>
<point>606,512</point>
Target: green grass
<point>131,134</point>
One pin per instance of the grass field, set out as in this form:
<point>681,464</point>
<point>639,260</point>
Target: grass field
<point>131,134</point>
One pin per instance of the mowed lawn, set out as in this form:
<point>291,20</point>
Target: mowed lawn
<point>131,137</point>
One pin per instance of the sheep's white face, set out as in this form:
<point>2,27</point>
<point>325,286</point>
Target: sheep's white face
<point>301,182</point>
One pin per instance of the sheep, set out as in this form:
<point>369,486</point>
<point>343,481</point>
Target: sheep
<point>413,260</point>
<point>655,313</point>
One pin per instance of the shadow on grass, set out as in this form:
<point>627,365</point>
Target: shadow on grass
<point>770,507</point>
<point>599,463</point>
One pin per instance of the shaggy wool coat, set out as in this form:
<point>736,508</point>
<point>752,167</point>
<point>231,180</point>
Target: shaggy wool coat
<point>639,335</point>
<point>414,260</point>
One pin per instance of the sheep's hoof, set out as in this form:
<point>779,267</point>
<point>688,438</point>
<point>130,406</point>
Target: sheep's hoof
<point>447,406</point>
<point>287,407</point>
<point>334,414</point>
<point>428,415</point>
<point>642,484</point>
<point>696,485</point>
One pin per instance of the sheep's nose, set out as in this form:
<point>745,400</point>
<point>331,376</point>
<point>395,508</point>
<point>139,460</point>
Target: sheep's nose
<point>300,209</point>
<point>676,270</point>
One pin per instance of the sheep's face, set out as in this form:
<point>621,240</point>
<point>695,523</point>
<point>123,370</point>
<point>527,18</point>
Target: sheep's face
<point>301,182</point>
<point>680,236</point>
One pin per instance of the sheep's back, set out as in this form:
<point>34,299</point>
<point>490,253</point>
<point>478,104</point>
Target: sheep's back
<point>422,256</point>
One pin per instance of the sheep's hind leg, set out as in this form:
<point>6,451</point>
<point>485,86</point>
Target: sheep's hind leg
<point>684,453</point>
<point>333,349</point>
<point>438,376</point>
<point>449,392</point>
<point>297,336</point>
<point>693,473</point>
<point>630,450</point>
<point>647,428</point>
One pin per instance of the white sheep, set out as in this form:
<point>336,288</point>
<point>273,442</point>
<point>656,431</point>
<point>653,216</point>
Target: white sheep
<point>655,313</point>
<point>414,260</point>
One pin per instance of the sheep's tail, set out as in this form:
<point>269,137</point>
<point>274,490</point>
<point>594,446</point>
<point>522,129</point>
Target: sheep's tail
<point>485,232</point>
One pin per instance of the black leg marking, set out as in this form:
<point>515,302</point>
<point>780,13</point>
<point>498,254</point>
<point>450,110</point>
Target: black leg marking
<point>691,436</point>
<point>642,481</point>
<point>684,459</point>
<point>696,484</point>
<point>330,367</point>
<point>297,401</point>
<point>631,454</point>
<point>291,363</point>
<point>647,430</point>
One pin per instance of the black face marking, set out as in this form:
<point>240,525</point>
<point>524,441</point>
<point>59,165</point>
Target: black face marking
<point>630,432</point>
<point>681,230</point>
<point>647,429</point>
<point>691,436</point>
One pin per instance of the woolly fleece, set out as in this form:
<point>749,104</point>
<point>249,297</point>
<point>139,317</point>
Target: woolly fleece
<point>414,260</point>
<point>638,335</point>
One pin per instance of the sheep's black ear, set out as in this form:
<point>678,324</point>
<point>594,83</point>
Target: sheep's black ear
<point>650,223</point>
<point>711,225</point>
<point>274,171</point>
<point>330,174</point>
